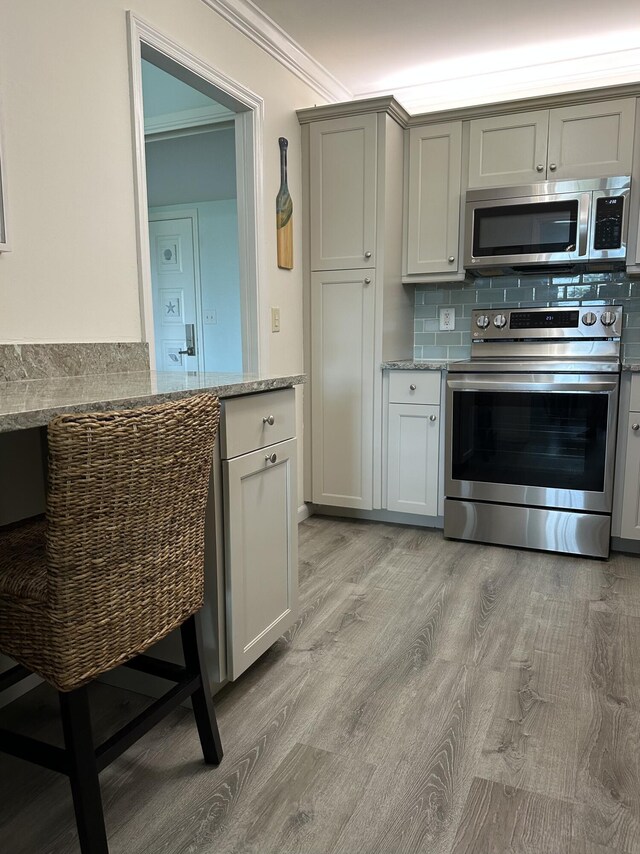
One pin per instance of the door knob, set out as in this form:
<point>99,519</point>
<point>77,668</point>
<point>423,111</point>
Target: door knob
<point>268,419</point>
<point>270,458</point>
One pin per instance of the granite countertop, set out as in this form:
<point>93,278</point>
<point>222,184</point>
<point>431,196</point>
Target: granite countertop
<point>32,403</point>
<point>632,363</point>
<point>422,365</point>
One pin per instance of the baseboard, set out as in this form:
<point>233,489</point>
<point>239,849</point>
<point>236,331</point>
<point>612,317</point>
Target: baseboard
<point>389,516</point>
<point>304,511</point>
<point>618,544</point>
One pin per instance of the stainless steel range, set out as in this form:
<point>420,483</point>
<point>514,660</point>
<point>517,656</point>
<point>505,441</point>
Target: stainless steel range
<point>531,422</point>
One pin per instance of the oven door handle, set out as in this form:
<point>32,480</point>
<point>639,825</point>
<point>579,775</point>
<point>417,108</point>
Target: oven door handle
<point>497,385</point>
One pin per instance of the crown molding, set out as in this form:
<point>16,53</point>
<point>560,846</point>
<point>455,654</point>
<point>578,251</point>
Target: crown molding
<point>381,104</point>
<point>526,82</point>
<point>195,117</point>
<point>264,32</point>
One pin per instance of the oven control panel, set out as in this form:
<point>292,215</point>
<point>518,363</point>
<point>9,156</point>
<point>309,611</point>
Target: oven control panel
<point>594,322</point>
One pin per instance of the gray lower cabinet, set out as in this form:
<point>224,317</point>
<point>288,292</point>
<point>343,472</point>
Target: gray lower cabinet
<point>630,512</point>
<point>260,524</point>
<point>413,442</point>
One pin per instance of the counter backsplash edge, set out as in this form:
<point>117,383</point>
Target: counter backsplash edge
<point>42,361</point>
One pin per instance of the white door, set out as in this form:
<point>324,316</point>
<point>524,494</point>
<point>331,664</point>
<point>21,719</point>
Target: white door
<point>261,529</point>
<point>343,186</point>
<point>174,282</point>
<point>342,385</point>
<point>412,459</point>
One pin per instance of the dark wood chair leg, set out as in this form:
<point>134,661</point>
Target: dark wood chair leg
<point>83,771</point>
<point>202,702</point>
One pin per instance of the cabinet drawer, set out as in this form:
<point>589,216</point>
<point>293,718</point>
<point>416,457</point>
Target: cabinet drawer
<point>414,387</point>
<point>246,421</point>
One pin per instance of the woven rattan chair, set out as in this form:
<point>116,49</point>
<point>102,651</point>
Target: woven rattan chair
<point>117,564</point>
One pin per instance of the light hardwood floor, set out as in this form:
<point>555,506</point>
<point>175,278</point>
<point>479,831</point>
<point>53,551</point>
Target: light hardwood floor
<point>436,697</point>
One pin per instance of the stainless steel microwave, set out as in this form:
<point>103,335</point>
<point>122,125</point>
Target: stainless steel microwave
<point>553,224</point>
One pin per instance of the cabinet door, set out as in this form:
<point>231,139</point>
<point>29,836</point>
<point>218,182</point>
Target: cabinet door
<point>435,161</point>
<point>342,384</point>
<point>412,458</point>
<point>343,188</point>
<point>630,515</point>
<point>261,555</point>
<point>507,150</point>
<point>591,140</point>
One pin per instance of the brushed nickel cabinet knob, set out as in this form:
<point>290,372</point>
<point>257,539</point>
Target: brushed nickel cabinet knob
<point>270,458</point>
<point>540,167</point>
<point>433,418</point>
<point>367,254</point>
<point>553,167</point>
<point>268,419</point>
<point>413,386</point>
<point>635,426</point>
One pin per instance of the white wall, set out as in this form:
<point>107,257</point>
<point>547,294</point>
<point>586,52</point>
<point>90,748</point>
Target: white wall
<point>65,112</point>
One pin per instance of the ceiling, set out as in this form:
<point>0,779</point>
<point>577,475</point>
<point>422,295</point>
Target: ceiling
<point>433,54</point>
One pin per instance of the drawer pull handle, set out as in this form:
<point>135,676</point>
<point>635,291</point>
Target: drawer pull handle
<point>635,426</point>
<point>268,419</point>
<point>433,418</point>
<point>413,386</point>
<point>270,458</point>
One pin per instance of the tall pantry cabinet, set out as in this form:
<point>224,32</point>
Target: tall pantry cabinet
<point>357,312</point>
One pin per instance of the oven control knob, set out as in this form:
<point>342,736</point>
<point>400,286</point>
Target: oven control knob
<point>482,322</point>
<point>500,321</point>
<point>589,318</point>
<point>607,318</point>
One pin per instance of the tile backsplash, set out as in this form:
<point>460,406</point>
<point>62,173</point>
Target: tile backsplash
<point>517,292</point>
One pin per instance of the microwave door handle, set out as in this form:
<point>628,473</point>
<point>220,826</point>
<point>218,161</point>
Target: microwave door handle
<point>583,224</point>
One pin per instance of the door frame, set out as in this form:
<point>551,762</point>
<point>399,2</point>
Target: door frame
<point>158,214</point>
<point>249,124</point>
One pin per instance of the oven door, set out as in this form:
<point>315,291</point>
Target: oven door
<point>539,440</point>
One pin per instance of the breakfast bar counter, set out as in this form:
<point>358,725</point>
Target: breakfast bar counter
<point>31,403</point>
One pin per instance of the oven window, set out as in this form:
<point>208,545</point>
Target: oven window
<point>542,227</point>
<point>555,440</point>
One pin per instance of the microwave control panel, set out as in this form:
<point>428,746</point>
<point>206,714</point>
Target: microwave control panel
<point>608,222</point>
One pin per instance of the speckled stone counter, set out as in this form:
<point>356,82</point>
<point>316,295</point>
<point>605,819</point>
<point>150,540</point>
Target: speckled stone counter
<point>631,364</point>
<point>408,365</point>
<point>32,403</point>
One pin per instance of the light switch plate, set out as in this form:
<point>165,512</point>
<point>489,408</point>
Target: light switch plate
<point>447,319</point>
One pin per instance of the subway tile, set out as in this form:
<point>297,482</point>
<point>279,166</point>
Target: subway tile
<point>419,296</point>
<point>431,325</point>
<point>418,326</point>
<point>434,352</point>
<point>435,297</point>
<point>581,291</point>
<point>463,324</point>
<point>425,311</point>
<point>449,338</point>
<point>462,352</point>
<point>461,297</point>
<point>423,338</point>
<point>417,351</point>
<point>519,294</point>
<point>612,289</point>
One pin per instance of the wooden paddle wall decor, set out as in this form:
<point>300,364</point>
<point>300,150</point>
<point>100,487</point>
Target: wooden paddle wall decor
<point>284,213</point>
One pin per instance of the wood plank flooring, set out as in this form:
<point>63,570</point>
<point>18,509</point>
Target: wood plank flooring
<point>433,696</point>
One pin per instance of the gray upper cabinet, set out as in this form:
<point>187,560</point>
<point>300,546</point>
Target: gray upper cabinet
<point>343,189</point>
<point>591,140</point>
<point>433,208</point>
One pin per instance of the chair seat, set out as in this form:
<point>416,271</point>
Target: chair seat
<point>23,567</point>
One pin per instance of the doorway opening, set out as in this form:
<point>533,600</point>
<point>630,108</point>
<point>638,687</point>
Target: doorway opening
<point>198,146</point>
